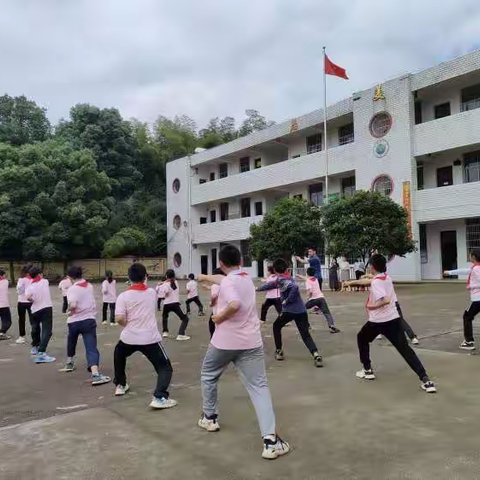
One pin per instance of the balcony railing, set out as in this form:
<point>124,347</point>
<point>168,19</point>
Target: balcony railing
<point>470,105</point>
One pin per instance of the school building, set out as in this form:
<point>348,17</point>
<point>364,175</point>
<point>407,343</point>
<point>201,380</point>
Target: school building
<point>415,138</point>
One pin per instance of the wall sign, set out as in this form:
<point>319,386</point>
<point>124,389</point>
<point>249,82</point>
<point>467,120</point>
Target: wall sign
<point>380,148</point>
<point>294,126</point>
<point>407,205</point>
<point>378,95</point>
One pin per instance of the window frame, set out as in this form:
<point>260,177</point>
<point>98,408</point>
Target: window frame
<point>314,147</point>
<point>245,207</point>
<point>346,137</point>
<point>377,179</point>
<point>244,164</point>
<point>256,209</point>
<point>382,134</point>
<point>223,173</point>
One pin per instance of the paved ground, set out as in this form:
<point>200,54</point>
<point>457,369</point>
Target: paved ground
<point>56,426</point>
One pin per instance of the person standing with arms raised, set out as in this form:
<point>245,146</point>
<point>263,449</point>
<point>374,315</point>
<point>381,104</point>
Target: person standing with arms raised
<point>314,262</point>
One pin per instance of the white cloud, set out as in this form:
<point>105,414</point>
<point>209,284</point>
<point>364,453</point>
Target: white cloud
<point>219,57</point>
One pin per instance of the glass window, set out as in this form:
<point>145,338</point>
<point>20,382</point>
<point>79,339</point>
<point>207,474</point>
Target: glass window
<point>177,222</point>
<point>472,167</point>
<point>316,194</point>
<point>258,208</point>
<point>245,164</point>
<point>176,185</point>
<point>223,211</point>
<point>257,163</point>
<point>420,177</point>
<point>245,207</point>
<point>346,134</point>
<point>418,113</point>
<point>383,185</point>
<point>245,251</point>
<point>213,216</point>
<point>314,143</point>
<point>223,170</point>
<point>470,98</point>
<point>299,196</point>
<point>203,220</point>
<point>380,124</point>
<point>442,110</point>
<point>348,187</point>
<point>423,243</point>
<point>177,260</point>
<point>212,176</point>
<point>473,234</point>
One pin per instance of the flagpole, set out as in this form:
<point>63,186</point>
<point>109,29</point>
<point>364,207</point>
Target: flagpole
<point>325,124</point>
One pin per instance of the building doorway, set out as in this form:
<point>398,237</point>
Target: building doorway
<point>444,176</point>
<point>204,264</point>
<point>213,253</point>
<point>260,269</point>
<point>448,244</point>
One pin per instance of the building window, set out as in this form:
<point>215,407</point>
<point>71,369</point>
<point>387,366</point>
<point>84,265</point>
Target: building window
<point>223,211</point>
<point>316,194</point>
<point>299,196</point>
<point>257,163</point>
<point>442,110</point>
<point>245,251</point>
<point>177,222</point>
<point>245,207</point>
<point>203,220</point>
<point>177,260</point>
<point>346,134</point>
<point>314,143</point>
<point>258,208</point>
<point>176,185</point>
<point>471,167</point>
<point>213,216</point>
<point>223,170</point>
<point>212,176</point>
<point>244,164</point>
<point>420,177</point>
<point>297,156</point>
<point>348,187</point>
<point>383,184</point>
<point>473,234</point>
<point>201,181</point>
<point>380,124</point>
<point>423,243</point>
<point>470,98</point>
<point>418,113</point>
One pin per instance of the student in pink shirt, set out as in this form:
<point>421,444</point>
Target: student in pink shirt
<point>38,292</point>
<point>135,311</point>
<point>172,304</point>
<point>192,295</point>
<point>5,314</point>
<point>160,292</point>
<point>237,339</point>
<point>383,318</point>
<point>109,293</point>
<point>82,312</point>
<point>272,298</point>
<point>64,285</point>
<point>214,291</point>
<point>23,305</point>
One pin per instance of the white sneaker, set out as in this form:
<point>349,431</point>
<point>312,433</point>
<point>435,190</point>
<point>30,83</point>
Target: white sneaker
<point>20,340</point>
<point>210,425</point>
<point>165,334</point>
<point>104,323</point>
<point>467,345</point>
<point>415,341</point>
<point>365,374</point>
<point>273,449</point>
<point>163,403</point>
<point>378,337</point>
<point>182,338</point>
<point>121,390</point>
<point>429,387</point>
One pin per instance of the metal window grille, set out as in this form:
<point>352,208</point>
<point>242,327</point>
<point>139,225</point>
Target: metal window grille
<point>472,167</point>
<point>314,143</point>
<point>383,185</point>
<point>380,124</point>
<point>473,234</point>
<point>346,134</point>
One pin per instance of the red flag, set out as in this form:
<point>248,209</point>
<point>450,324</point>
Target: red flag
<point>332,69</point>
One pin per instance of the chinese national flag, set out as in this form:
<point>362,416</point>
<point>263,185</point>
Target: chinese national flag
<point>332,69</point>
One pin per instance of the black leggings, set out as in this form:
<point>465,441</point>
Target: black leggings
<point>65,304</point>
<point>394,332</point>
<point>405,325</point>
<point>159,304</point>
<point>105,310</point>
<point>468,317</point>
<point>211,326</point>
<point>195,300</point>
<point>22,309</point>
<point>177,310</point>
<point>269,302</point>
<point>301,320</point>
<point>6,319</point>
<point>42,322</point>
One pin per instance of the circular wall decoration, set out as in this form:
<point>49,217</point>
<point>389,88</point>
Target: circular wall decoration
<point>177,260</point>
<point>177,222</point>
<point>380,124</point>
<point>176,185</point>
<point>380,148</point>
<point>383,184</point>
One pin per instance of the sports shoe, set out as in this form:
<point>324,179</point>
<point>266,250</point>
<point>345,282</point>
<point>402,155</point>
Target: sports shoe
<point>366,374</point>
<point>100,379</point>
<point>467,345</point>
<point>182,338</point>
<point>121,390</point>
<point>415,341</point>
<point>4,336</point>
<point>165,334</point>
<point>163,403</point>
<point>334,330</point>
<point>318,361</point>
<point>43,357</point>
<point>379,337</point>
<point>273,449</point>
<point>429,387</point>
<point>209,424</point>
<point>104,323</point>
<point>33,350</point>
<point>113,324</point>
<point>68,367</point>
<point>20,340</point>
<point>201,314</point>
<point>279,355</point>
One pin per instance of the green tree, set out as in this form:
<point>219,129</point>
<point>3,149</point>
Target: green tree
<point>176,138</point>
<point>22,121</point>
<point>365,223</point>
<point>129,240</point>
<point>288,229</point>
<point>253,123</point>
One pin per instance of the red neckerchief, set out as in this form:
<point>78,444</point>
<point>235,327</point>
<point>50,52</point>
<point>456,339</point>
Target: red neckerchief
<point>139,287</point>
<point>380,277</point>
<point>82,283</point>
<point>36,279</point>
<point>477,264</point>
<point>239,273</point>
<point>29,277</point>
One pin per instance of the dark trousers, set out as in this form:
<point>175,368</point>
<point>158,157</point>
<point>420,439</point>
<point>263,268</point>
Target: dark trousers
<point>320,282</point>
<point>42,322</point>
<point>65,305</point>
<point>358,274</point>
<point>195,300</point>
<point>301,320</point>
<point>405,325</point>
<point>468,317</point>
<point>211,326</point>
<point>6,319</point>
<point>22,309</point>
<point>321,303</point>
<point>159,304</point>
<point>269,302</point>
<point>394,332</point>
<point>88,330</point>
<point>177,310</point>
<point>158,358</point>
<point>106,306</point>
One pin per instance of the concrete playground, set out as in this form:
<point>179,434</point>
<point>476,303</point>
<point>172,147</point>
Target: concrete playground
<point>57,426</point>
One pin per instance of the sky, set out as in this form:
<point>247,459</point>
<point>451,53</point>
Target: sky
<point>208,58</point>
